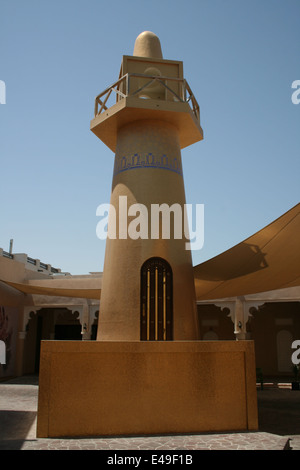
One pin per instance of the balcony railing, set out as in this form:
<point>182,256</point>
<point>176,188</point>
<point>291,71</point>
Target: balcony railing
<point>140,86</point>
<point>7,255</point>
<point>23,258</point>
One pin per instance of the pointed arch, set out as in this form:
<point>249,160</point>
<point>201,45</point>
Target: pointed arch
<point>156,300</point>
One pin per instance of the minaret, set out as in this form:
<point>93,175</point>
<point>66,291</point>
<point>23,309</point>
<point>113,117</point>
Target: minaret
<point>148,288</point>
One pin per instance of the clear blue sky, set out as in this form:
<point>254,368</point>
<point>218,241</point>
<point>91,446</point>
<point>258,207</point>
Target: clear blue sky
<point>240,58</point>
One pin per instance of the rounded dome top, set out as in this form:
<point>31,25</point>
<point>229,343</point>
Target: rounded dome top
<point>147,44</point>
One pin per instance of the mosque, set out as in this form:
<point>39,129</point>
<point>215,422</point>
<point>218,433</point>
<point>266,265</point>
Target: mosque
<point>149,290</point>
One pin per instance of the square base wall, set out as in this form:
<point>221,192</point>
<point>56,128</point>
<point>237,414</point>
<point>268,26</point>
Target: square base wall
<point>94,388</point>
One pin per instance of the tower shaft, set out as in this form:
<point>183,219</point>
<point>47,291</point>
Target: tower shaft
<point>148,172</point>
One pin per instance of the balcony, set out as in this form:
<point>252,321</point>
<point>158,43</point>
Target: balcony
<point>138,96</point>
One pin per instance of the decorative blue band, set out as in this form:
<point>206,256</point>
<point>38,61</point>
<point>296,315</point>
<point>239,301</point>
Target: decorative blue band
<point>137,161</point>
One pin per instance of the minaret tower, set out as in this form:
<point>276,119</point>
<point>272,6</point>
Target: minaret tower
<point>148,288</point>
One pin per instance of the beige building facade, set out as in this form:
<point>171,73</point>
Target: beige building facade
<point>37,303</point>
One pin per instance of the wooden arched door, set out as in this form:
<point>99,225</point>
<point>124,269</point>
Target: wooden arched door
<point>156,300</point>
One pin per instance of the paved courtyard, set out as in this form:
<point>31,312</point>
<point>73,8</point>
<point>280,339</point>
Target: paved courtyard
<point>278,410</point>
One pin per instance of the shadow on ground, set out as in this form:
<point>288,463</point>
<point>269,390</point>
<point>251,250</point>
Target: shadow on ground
<point>14,428</point>
<point>16,424</point>
<point>279,411</point>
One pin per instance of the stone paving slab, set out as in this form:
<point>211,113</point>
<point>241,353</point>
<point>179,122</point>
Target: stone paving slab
<point>235,441</point>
